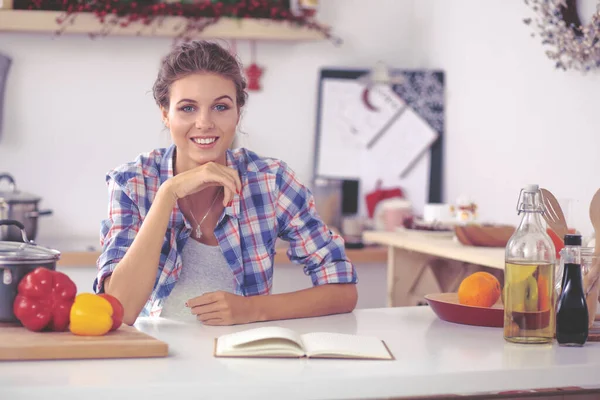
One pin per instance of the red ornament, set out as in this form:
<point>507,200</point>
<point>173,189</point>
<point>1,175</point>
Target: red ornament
<point>254,72</point>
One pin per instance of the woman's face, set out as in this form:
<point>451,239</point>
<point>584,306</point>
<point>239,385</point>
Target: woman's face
<point>202,118</point>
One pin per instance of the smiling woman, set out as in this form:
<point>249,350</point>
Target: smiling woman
<point>191,229</point>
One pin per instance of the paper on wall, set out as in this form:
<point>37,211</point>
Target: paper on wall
<point>368,114</point>
<point>404,142</point>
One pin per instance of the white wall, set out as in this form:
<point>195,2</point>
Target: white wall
<point>512,119</point>
<point>76,107</point>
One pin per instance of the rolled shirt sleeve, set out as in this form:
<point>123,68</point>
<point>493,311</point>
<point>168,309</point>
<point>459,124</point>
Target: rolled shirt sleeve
<point>117,231</point>
<point>312,243</point>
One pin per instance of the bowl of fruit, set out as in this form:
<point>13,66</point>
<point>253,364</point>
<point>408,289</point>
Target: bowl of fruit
<point>478,302</point>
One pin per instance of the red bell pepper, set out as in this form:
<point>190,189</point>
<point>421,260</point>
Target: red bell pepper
<point>44,299</point>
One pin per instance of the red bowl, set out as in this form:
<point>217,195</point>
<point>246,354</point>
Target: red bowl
<point>447,307</point>
<point>532,320</point>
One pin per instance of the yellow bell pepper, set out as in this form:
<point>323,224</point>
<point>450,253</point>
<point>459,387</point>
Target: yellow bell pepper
<point>91,315</point>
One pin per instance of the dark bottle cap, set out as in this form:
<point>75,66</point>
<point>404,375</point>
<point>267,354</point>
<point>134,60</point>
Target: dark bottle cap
<point>572,240</point>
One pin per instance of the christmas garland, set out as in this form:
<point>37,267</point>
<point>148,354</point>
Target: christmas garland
<point>198,14</point>
<point>572,45</point>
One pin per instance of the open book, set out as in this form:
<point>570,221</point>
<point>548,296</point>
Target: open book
<point>283,342</point>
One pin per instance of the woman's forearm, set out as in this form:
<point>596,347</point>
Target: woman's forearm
<point>133,278</point>
<point>313,302</point>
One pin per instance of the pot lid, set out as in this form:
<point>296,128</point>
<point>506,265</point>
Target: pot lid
<point>18,197</point>
<point>10,194</point>
<point>23,252</point>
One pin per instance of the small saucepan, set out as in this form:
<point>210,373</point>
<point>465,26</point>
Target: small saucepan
<point>20,206</point>
<point>17,259</point>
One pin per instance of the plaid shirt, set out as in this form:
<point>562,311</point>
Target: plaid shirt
<point>272,204</point>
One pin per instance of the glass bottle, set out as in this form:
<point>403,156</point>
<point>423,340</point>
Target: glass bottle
<point>572,311</point>
<point>528,292</point>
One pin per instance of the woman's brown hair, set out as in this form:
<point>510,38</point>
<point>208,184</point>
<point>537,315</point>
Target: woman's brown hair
<point>193,57</point>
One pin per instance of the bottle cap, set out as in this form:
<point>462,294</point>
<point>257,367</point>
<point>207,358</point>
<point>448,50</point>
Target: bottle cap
<point>572,240</point>
<point>531,188</point>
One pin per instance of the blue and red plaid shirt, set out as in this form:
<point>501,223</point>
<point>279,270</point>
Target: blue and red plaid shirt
<point>272,204</point>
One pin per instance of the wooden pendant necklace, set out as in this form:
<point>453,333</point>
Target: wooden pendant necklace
<point>197,230</point>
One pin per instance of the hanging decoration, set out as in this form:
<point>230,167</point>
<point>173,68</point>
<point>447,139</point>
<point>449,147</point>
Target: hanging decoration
<point>198,14</point>
<point>253,71</point>
<point>380,75</point>
<point>572,45</point>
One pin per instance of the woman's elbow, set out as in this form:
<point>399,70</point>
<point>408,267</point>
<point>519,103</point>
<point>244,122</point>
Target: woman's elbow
<point>350,298</point>
<point>130,315</point>
<point>129,320</point>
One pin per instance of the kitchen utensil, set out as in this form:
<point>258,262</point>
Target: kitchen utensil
<point>18,343</point>
<point>484,235</point>
<point>553,214</point>
<point>5,62</point>
<point>327,194</point>
<point>17,259</point>
<point>591,281</point>
<point>447,307</point>
<point>595,216</point>
<point>20,206</point>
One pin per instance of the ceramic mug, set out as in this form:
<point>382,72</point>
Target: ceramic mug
<point>394,217</point>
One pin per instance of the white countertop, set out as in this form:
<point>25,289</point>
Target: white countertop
<point>445,247</point>
<point>432,357</point>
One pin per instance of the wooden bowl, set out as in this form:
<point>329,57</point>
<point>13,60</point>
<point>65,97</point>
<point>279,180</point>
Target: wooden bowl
<point>484,235</point>
<point>447,307</point>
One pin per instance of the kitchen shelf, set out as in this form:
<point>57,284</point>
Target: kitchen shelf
<point>225,28</point>
<point>368,254</point>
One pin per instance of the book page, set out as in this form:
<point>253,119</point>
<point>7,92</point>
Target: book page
<point>323,344</point>
<point>268,340</point>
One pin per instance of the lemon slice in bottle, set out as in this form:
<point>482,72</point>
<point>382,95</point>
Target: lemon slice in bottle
<point>520,272</point>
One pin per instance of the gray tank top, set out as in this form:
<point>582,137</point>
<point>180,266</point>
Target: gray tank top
<point>204,270</point>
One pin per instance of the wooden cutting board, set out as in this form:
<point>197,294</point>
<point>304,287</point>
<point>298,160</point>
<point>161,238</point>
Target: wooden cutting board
<point>18,343</point>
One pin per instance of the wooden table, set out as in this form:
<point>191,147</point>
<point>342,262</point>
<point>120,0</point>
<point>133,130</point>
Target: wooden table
<point>433,358</point>
<point>420,263</point>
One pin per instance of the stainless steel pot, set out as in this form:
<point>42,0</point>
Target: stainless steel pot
<point>19,206</point>
<point>17,259</point>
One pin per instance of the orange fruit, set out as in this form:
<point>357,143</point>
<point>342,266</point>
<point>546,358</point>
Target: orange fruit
<point>480,289</point>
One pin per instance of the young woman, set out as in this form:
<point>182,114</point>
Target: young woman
<point>191,229</point>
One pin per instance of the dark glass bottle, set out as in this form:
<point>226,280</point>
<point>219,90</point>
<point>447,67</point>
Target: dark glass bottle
<point>572,312</point>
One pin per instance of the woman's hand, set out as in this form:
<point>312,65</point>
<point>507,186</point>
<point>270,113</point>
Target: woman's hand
<point>209,174</point>
<point>222,308</point>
